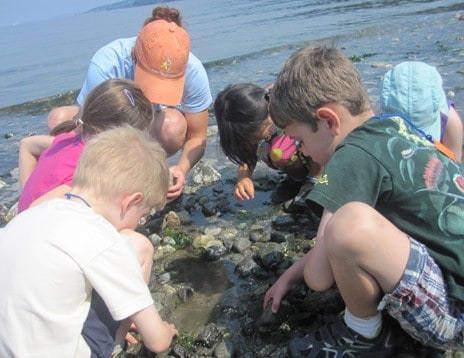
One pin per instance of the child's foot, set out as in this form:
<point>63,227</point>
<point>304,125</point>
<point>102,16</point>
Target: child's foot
<point>336,340</point>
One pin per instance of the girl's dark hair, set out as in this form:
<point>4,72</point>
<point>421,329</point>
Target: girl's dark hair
<point>169,14</point>
<point>112,103</point>
<point>241,111</point>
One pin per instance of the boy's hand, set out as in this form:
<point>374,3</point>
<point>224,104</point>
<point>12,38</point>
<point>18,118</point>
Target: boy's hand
<point>275,293</point>
<point>245,189</point>
<point>129,337</point>
<point>175,332</point>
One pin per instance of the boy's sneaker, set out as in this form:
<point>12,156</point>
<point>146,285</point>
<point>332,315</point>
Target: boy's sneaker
<point>336,340</point>
<point>285,190</point>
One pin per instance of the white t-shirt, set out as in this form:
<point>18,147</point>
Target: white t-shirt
<point>51,256</point>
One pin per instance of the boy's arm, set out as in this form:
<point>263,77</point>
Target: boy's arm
<point>452,138</point>
<point>314,267</point>
<point>30,149</point>
<point>156,334</point>
<point>245,189</point>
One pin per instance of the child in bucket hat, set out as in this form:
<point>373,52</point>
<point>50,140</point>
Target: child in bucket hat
<point>415,89</point>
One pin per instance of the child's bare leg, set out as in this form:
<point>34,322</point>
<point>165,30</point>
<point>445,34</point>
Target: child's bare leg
<point>368,256</point>
<point>144,250</point>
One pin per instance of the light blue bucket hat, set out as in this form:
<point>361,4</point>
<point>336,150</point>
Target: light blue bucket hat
<point>416,90</point>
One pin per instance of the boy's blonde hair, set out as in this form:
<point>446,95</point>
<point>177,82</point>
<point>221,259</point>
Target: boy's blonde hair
<point>123,161</point>
<point>311,78</point>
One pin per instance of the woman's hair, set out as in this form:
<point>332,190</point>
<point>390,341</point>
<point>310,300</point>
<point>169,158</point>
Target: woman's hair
<point>169,14</point>
<point>111,104</point>
<point>241,111</point>
<point>124,160</point>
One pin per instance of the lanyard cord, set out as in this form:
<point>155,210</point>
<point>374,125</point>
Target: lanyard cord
<point>438,145</point>
<point>68,196</point>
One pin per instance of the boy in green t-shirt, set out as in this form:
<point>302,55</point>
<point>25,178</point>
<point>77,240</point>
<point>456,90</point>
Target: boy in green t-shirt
<point>391,236</point>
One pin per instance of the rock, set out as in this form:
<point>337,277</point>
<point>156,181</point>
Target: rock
<point>245,267</point>
<point>209,209</point>
<point>270,255</point>
<point>248,328</point>
<point>203,241</point>
<point>214,252</point>
<point>204,174</point>
<point>212,230</point>
<point>281,236</point>
<point>163,278</point>
<point>155,240</point>
<point>241,244</point>
<point>269,321</point>
<point>162,251</point>
<point>223,350</point>
<point>283,220</point>
<point>179,351</point>
<point>12,212</point>
<point>209,336</point>
<point>172,220</point>
<point>3,215</point>
<point>184,217</point>
<point>185,293</point>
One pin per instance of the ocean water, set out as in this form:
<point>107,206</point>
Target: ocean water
<point>43,64</point>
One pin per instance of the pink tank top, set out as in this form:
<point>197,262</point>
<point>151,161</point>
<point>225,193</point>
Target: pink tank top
<point>55,167</point>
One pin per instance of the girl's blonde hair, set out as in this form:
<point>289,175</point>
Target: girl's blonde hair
<point>121,161</point>
<point>112,103</point>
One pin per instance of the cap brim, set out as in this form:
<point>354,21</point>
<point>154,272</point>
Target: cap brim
<point>167,91</point>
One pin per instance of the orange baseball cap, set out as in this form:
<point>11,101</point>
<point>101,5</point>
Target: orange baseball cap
<point>162,50</point>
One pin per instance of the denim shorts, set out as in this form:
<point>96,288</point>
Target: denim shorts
<point>421,304</point>
<point>99,328</point>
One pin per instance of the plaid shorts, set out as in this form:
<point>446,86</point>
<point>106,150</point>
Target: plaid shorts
<point>421,304</point>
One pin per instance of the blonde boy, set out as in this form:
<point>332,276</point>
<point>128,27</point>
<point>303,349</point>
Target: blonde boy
<point>52,255</point>
<point>391,236</point>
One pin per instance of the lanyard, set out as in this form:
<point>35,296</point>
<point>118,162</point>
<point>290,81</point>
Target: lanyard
<point>438,145</point>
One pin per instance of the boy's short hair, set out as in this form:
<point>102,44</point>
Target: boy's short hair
<point>311,78</point>
<point>124,160</point>
<point>415,89</point>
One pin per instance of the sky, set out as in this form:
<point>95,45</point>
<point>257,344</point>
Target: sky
<point>20,11</point>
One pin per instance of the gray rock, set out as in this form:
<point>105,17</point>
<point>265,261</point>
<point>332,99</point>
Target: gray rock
<point>209,336</point>
<point>241,244</point>
<point>204,174</point>
<point>270,255</point>
<point>245,267</point>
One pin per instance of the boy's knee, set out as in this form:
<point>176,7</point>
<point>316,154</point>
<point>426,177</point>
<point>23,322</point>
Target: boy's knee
<point>348,227</point>
<point>147,248</point>
<point>170,129</point>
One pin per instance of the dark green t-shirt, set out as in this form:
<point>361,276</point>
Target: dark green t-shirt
<point>392,167</point>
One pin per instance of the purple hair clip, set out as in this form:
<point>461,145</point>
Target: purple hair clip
<point>129,96</point>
